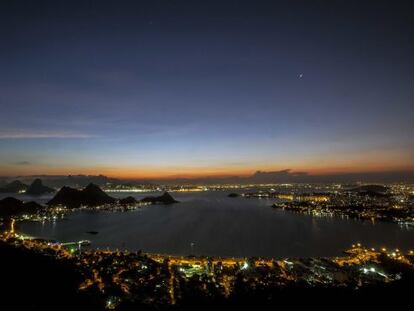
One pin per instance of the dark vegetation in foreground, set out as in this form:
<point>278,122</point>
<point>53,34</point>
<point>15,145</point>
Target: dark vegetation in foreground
<point>34,281</point>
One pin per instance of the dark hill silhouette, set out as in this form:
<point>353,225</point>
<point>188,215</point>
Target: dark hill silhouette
<point>13,187</point>
<point>166,198</point>
<point>127,200</point>
<point>370,189</point>
<point>77,181</point>
<point>37,188</point>
<point>233,195</point>
<point>91,195</point>
<point>11,207</point>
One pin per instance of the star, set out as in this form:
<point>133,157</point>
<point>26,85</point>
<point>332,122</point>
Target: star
<point>300,75</point>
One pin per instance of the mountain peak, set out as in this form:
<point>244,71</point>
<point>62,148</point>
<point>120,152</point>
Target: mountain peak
<point>165,198</point>
<point>37,188</point>
<point>91,195</point>
<point>13,187</point>
<point>92,187</point>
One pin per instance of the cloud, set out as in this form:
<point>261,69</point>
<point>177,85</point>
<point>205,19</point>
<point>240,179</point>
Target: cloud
<point>22,163</point>
<point>36,134</point>
<point>285,172</point>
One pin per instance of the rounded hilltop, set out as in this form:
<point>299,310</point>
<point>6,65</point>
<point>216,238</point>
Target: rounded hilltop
<point>165,198</point>
<point>92,196</point>
<point>13,207</point>
<point>37,188</point>
<point>15,186</point>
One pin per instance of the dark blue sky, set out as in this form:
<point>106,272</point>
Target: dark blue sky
<point>159,88</point>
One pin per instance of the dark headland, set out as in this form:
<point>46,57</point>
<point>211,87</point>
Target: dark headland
<point>166,198</point>
<point>14,187</point>
<point>127,201</point>
<point>37,188</point>
<point>233,195</point>
<point>11,207</point>
<point>92,196</point>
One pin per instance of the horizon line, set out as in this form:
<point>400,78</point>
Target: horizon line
<point>285,173</point>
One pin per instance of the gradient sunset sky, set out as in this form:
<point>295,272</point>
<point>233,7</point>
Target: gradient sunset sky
<point>196,88</point>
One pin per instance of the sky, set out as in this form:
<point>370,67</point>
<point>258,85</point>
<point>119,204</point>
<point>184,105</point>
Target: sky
<point>145,89</point>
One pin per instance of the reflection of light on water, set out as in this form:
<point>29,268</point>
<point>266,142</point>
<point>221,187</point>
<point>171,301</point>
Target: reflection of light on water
<point>12,226</point>
<point>315,225</point>
<point>406,225</point>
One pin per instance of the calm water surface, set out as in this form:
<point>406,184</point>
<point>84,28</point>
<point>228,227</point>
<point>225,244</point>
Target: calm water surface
<point>210,223</point>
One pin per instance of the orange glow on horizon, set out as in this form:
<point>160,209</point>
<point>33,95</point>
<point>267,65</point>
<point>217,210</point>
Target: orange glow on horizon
<point>164,173</point>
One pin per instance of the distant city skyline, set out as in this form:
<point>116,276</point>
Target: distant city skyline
<point>174,89</point>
